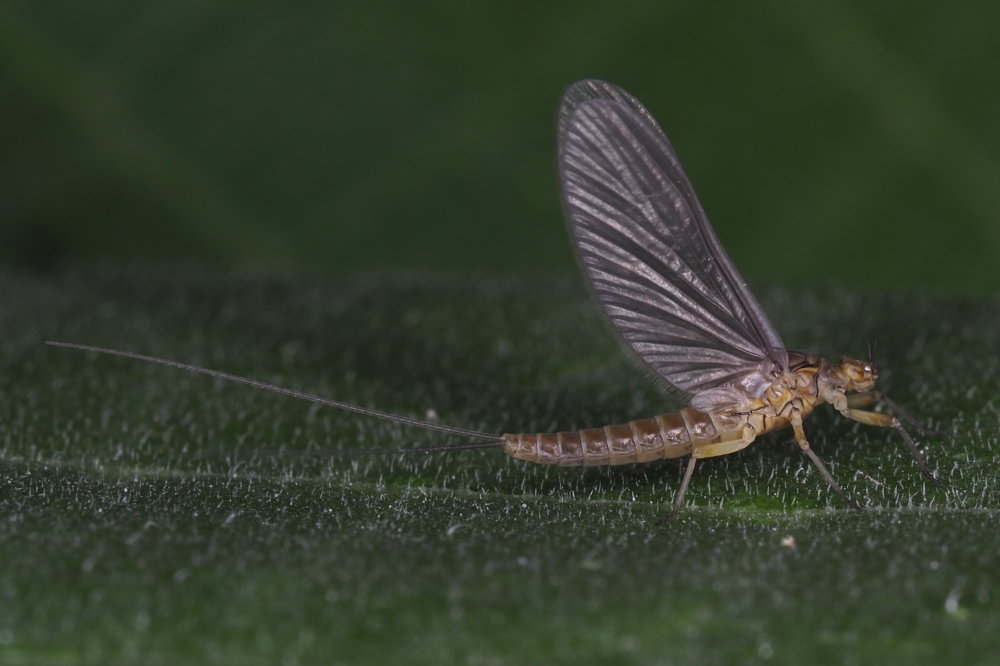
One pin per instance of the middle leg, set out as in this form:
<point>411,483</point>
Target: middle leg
<point>800,437</point>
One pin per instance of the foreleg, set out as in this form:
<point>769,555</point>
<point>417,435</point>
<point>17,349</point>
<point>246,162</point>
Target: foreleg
<point>866,398</point>
<point>862,399</point>
<point>887,421</point>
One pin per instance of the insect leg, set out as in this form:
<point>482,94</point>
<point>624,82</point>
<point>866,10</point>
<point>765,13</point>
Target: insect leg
<point>682,491</point>
<point>887,421</point>
<point>862,399</point>
<point>708,451</point>
<point>800,437</point>
<point>906,416</point>
<point>868,397</point>
<point>726,447</point>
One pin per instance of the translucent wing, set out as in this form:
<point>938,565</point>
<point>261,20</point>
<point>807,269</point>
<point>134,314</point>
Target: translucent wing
<point>657,268</point>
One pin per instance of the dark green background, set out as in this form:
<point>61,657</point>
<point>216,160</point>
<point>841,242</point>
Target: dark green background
<point>851,141</point>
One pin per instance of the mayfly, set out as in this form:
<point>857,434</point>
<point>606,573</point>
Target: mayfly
<point>671,292</point>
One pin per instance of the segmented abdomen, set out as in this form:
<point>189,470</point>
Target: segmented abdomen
<point>642,440</point>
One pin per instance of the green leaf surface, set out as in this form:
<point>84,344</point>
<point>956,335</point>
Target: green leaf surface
<point>130,534</point>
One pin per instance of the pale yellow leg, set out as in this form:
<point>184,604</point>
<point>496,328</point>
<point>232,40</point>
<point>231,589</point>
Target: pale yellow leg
<point>726,447</point>
<point>708,451</point>
<point>862,399</point>
<point>870,418</point>
<point>887,421</point>
<point>870,397</point>
<point>800,437</point>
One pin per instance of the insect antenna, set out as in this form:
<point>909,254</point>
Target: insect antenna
<point>492,439</point>
<point>872,348</point>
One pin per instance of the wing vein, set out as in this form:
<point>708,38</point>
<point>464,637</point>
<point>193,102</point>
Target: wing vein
<point>662,277</point>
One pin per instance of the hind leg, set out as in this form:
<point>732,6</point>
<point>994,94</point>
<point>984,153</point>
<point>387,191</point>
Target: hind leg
<point>708,451</point>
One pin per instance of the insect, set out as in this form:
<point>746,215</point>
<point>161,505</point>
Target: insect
<point>674,296</point>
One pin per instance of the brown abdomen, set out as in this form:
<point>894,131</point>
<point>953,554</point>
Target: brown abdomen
<point>642,440</point>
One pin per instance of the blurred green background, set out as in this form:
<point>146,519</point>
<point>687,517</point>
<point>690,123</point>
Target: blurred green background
<point>828,141</point>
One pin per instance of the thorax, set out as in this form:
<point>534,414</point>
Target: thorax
<point>795,390</point>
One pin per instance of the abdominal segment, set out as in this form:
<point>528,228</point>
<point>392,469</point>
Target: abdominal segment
<point>642,440</point>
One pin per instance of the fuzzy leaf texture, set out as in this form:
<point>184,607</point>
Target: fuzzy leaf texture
<point>127,538</point>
